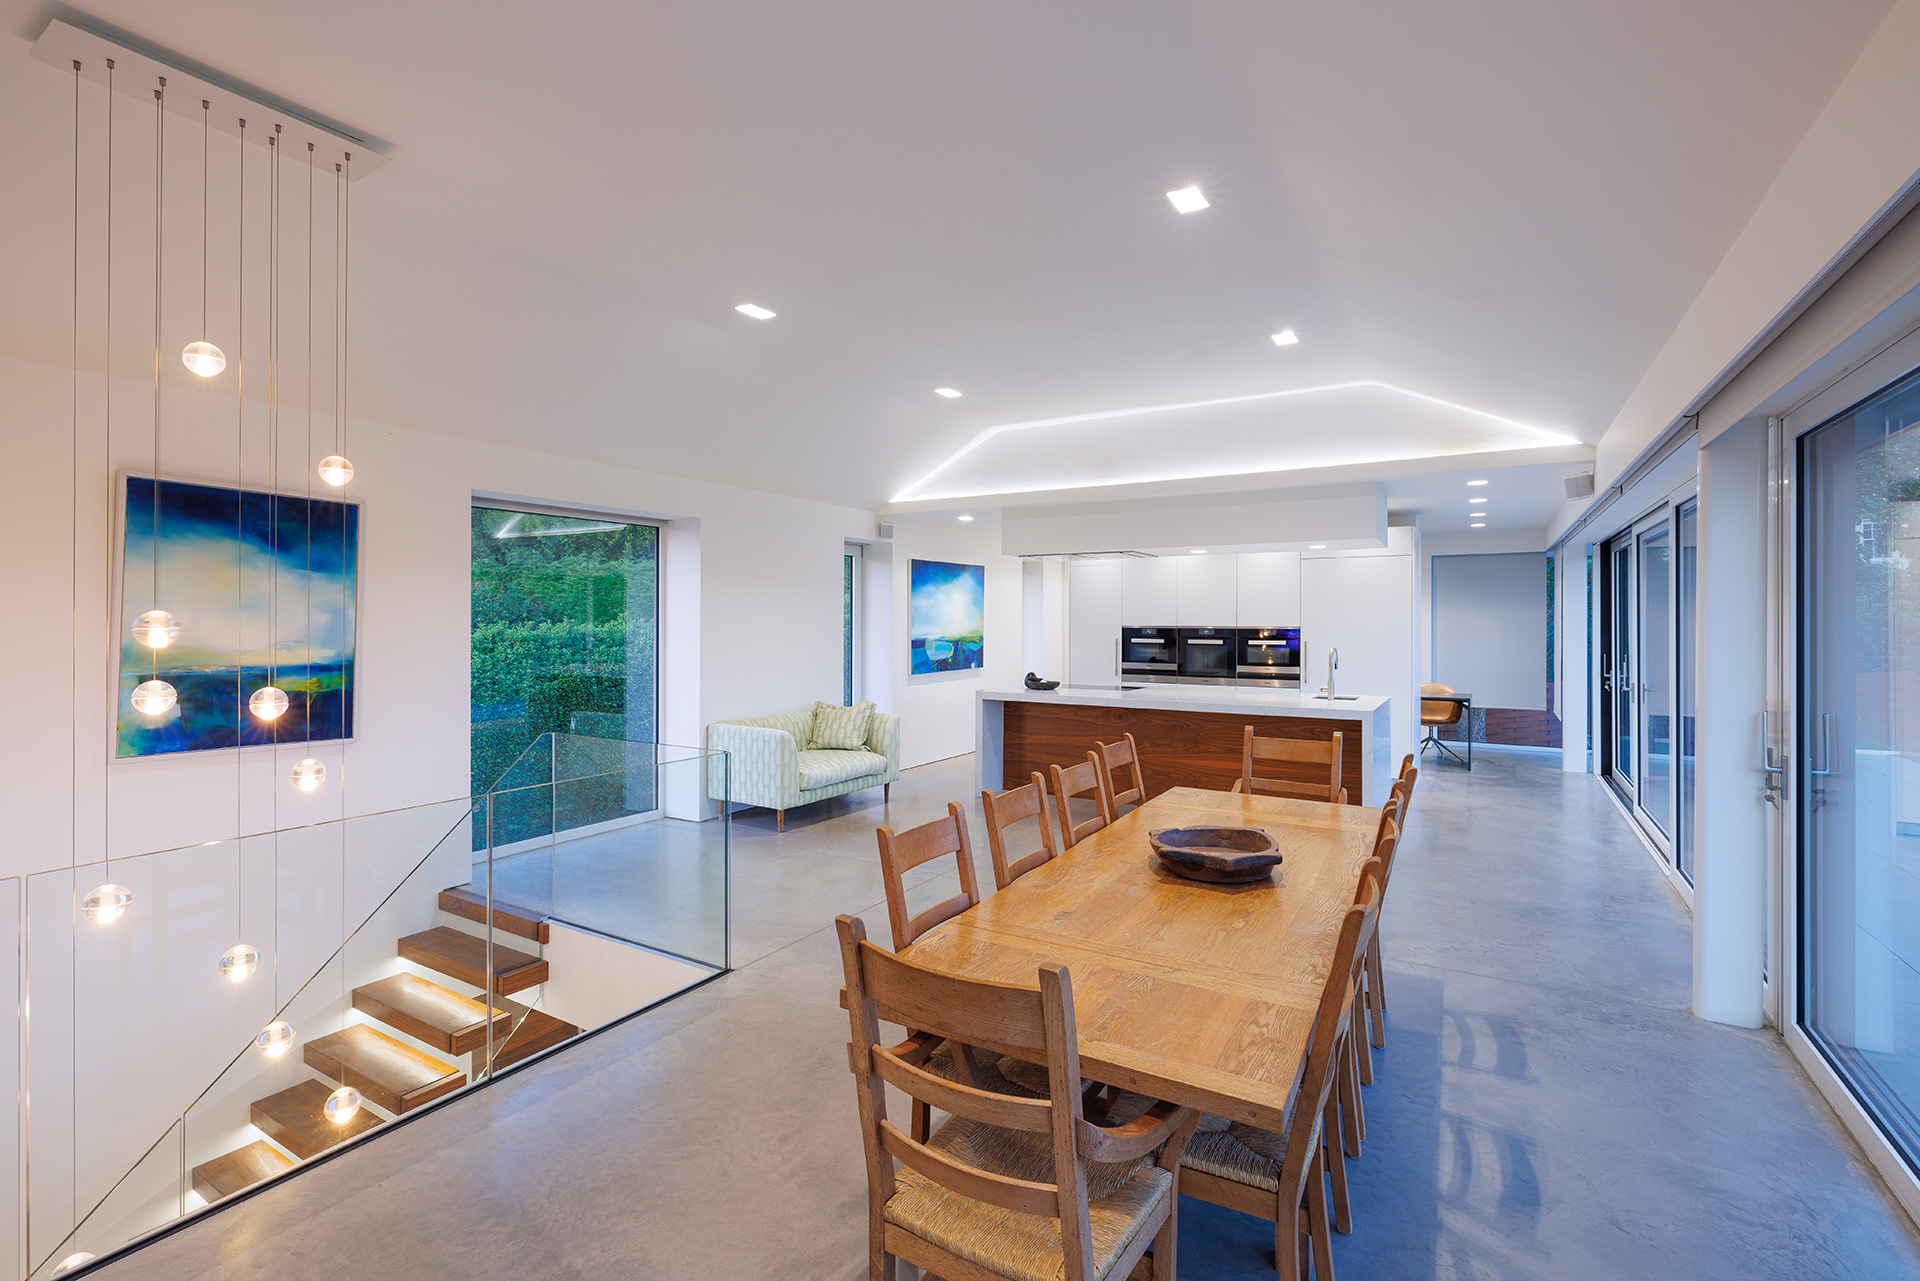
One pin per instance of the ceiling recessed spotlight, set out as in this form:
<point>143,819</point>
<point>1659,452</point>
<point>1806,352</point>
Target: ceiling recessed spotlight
<point>1479,524</point>
<point>1476,482</point>
<point>1316,547</point>
<point>1476,500</point>
<point>966,518</point>
<point>1188,200</point>
<point>755,310</point>
<point>948,392</point>
<point>1199,551</point>
<point>1285,338</point>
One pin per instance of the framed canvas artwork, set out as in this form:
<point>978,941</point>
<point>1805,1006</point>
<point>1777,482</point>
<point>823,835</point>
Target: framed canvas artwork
<point>263,588</point>
<point>948,607</point>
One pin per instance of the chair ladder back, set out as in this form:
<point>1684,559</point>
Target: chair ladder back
<point>1330,1023</point>
<point>1003,811</point>
<point>1327,753</point>
<point>1063,1081</point>
<point>1112,756</point>
<point>1079,780</point>
<point>901,852</point>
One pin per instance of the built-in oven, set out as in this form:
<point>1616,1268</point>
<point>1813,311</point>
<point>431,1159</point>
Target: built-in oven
<point>1268,656</point>
<point>1207,655</point>
<point>1149,653</point>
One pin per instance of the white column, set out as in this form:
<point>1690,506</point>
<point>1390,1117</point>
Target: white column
<point>1730,876</point>
<point>1570,675</point>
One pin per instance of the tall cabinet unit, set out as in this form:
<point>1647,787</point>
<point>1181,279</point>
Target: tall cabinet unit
<point>1095,590</point>
<point>1151,587</point>
<point>1268,590</point>
<point>1365,605</point>
<point>1207,591</point>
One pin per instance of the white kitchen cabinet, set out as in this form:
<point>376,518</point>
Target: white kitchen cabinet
<point>1151,593</point>
<point>1363,605</point>
<point>1269,589</point>
<point>1208,591</point>
<point>1094,592</point>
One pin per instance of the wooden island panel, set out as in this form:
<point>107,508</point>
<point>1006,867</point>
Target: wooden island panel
<point>1178,749</point>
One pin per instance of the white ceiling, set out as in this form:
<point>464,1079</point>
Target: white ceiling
<point>1502,205</point>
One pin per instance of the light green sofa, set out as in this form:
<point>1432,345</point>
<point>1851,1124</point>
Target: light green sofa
<point>768,763</point>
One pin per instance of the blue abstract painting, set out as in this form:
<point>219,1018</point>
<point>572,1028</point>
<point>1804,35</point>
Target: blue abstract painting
<point>264,590</point>
<point>949,605</point>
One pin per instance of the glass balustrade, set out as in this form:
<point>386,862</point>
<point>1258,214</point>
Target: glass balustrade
<point>260,1001</point>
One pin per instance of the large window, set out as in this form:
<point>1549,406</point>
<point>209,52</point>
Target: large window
<point>565,621</point>
<point>1857,759</point>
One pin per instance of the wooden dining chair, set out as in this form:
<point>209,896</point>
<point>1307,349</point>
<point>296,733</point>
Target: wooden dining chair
<point>1009,1187</point>
<point>1079,780</point>
<point>1393,814</point>
<point>1112,756</point>
<point>1002,811</point>
<point>1284,1177</point>
<point>1312,752</point>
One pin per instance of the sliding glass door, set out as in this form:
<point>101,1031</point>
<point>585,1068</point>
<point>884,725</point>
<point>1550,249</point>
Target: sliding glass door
<point>1654,692</point>
<point>1856,759</point>
<point>1644,679</point>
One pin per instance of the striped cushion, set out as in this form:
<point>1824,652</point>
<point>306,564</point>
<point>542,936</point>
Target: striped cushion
<point>841,728</point>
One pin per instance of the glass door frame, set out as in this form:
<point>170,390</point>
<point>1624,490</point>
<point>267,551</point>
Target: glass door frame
<point>1787,943</point>
<point>1627,787</point>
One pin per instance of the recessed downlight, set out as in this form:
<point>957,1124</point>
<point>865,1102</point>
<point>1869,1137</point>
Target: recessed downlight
<point>1285,338</point>
<point>1476,482</point>
<point>755,310</point>
<point>1478,524</point>
<point>1188,200</point>
<point>1199,551</point>
<point>1316,547</point>
<point>948,392</point>
<point>966,518</point>
<point>1476,500</point>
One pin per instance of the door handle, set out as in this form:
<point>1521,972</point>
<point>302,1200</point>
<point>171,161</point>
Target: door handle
<point>1826,747</point>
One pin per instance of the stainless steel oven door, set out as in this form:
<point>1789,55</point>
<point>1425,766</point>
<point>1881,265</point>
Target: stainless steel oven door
<point>1210,656</point>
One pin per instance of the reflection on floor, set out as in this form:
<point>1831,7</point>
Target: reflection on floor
<point>1546,1107</point>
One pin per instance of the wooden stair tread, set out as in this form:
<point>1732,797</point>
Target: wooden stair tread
<point>242,1168</point>
<point>470,903</point>
<point>293,1118</point>
<point>464,956</point>
<point>444,1019</point>
<point>389,1073</point>
<point>535,1032</point>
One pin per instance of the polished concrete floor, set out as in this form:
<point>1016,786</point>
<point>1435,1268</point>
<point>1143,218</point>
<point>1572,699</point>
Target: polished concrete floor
<point>1546,1107</point>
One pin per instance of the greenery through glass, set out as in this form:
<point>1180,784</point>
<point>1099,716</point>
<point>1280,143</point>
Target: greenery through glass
<point>564,640</point>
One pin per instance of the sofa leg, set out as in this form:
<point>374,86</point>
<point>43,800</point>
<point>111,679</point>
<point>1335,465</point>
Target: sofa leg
<point>886,793</point>
<point>780,820</point>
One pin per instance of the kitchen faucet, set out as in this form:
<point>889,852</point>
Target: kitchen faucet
<point>1333,665</point>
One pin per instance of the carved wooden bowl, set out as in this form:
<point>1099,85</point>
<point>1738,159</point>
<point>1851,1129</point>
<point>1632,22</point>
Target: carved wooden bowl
<point>1219,855</point>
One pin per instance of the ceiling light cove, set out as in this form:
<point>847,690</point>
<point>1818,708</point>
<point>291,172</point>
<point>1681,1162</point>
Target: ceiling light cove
<point>1188,200</point>
<point>1336,425</point>
<point>948,392</point>
<point>755,310</point>
<point>1286,338</point>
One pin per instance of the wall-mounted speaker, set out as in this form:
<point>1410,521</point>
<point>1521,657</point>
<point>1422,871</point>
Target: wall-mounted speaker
<point>1580,486</point>
<point>886,529</point>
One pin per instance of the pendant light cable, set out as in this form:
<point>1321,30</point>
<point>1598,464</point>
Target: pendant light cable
<point>240,549</point>
<point>307,469</point>
<point>206,142</point>
<point>159,229</point>
<point>273,465</point>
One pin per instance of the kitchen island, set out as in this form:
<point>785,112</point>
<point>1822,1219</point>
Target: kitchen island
<point>1188,735</point>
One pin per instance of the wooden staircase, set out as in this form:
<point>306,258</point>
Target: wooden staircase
<point>390,1074</point>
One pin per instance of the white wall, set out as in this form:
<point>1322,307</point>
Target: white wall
<point>1490,627</point>
<point>1365,604</point>
<point>936,710</point>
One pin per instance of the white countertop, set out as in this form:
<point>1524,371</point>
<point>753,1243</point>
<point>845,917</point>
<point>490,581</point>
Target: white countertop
<point>1200,698</point>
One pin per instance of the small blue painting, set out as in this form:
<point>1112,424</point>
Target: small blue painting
<point>263,588</point>
<point>949,605</point>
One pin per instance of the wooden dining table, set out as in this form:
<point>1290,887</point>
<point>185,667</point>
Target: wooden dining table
<point>1193,993</point>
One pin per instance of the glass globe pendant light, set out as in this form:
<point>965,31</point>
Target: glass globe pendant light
<point>342,1105</point>
<point>268,702</point>
<point>239,962</point>
<point>151,698</point>
<point>156,629</point>
<point>309,774</point>
<point>106,904</point>
<point>204,358</point>
<point>335,470</point>
<point>275,1039</point>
